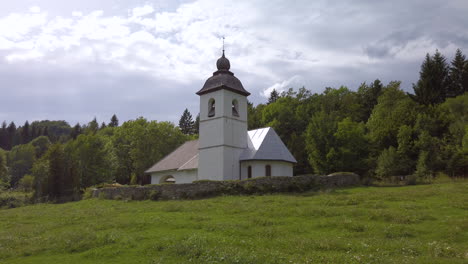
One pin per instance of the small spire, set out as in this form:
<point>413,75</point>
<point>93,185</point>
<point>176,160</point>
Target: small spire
<point>223,46</point>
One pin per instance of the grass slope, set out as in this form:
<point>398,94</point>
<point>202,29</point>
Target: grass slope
<point>415,224</point>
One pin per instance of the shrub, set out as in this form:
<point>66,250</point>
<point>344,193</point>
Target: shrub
<point>26,183</point>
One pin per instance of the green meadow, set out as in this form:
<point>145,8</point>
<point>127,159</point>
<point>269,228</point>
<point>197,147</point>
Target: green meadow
<point>412,224</point>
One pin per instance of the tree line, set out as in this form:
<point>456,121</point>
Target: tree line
<point>377,131</point>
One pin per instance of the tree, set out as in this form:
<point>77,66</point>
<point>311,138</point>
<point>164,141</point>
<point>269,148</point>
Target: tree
<point>4,177</point>
<point>41,145</point>
<point>103,125</point>
<point>114,121</point>
<point>394,109</point>
<point>274,95</point>
<point>388,164</point>
<point>76,131</point>
<point>433,82</point>
<point>186,123</point>
<point>458,75</point>
<point>367,97</point>
<point>20,162</point>
<point>93,126</point>
<point>138,144</point>
<point>93,159</point>
<point>320,142</point>
<point>25,133</point>
<point>4,136</point>
<point>11,133</point>
<point>196,125</point>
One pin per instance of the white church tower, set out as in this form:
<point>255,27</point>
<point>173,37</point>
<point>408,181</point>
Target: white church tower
<point>223,124</point>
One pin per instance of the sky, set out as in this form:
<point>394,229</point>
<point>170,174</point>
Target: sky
<point>77,60</point>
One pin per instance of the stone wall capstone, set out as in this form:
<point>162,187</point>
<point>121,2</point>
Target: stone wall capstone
<point>203,189</point>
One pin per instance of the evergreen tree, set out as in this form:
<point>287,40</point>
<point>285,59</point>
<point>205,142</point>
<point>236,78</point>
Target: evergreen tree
<point>34,131</point>
<point>56,171</point>
<point>93,126</point>
<point>458,75</point>
<point>25,135</point>
<point>274,95</point>
<point>114,121</point>
<point>103,125</point>
<point>76,131</point>
<point>186,123</point>
<point>45,131</point>
<point>3,136</point>
<point>433,82</point>
<point>11,132</point>
<point>196,125</point>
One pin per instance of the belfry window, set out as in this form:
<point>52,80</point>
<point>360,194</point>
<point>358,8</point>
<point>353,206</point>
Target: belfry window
<point>235,108</point>
<point>267,170</point>
<point>211,108</point>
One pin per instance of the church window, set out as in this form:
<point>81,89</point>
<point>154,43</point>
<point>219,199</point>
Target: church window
<point>211,108</point>
<point>249,172</point>
<point>267,170</point>
<point>167,179</point>
<point>235,108</point>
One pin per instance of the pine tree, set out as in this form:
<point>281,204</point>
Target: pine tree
<point>25,135</point>
<point>34,131</point>
<point>11,132</point>
<point>196,125</point>
<point>114,121</point>
<point>273,97</point>
<point>458,75</point>
<point>3,136</point>
<point>103,125</point>
<point>186,123</point>
<point>93,126</point>
<point>76,131</point>
<point>433,82</point>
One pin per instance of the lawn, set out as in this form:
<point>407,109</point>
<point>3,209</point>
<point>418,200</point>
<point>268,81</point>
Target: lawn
<point>413,224</point>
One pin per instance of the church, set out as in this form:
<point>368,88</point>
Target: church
<point>225,149</point>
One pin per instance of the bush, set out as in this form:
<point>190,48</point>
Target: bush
<point>26,183</point>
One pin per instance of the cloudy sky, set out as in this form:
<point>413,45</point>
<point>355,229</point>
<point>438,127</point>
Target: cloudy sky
<point>76,60</point>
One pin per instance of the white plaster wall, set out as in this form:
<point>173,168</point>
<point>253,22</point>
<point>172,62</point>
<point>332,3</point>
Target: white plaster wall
<point>278,168</point>
<point>223,137</point>
<point>184,176</point>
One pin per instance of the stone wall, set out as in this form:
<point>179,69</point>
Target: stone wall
<point>202,189</point>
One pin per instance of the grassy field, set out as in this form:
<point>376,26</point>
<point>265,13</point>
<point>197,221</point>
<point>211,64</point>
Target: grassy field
<point>414,224</point>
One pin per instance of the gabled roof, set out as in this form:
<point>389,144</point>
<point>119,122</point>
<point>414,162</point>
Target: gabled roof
<point>184,157</point>
<point>265,144</point>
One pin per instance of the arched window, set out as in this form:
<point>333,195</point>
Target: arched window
<point>267,170</point>
<point>167,179</point>
<point>235,108</point>
<point>211,108</point>
<point>249,172</point>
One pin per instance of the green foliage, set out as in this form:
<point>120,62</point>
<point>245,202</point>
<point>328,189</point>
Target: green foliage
<point>4,176</point>
<point>320,142</point>
<point>140,143</point>
<point>388,164</point>
<point>20,162</point>
<point>26,183</point>
<point>93,158</point>
<point>393,110</point>
<point>414,224</point>
<point>41,145</point>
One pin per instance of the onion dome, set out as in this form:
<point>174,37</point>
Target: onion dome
<point>223,79</point>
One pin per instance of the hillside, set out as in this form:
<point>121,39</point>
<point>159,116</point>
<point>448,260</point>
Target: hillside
<point>414,224</point>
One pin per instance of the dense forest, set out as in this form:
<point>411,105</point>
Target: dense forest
<point>378,131</point>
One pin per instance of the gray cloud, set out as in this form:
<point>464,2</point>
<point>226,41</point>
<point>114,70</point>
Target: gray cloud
<point>152,66</point>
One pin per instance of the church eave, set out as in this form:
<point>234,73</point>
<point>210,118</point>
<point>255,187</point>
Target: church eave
<point>213,89</point>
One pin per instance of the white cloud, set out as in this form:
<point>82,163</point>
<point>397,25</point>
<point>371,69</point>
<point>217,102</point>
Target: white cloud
<point>35,9</point>
<point>295,81</point>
